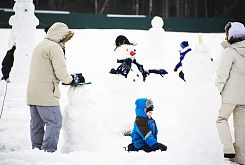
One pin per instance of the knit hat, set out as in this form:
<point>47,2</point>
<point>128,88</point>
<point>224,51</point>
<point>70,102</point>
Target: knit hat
<point>184,44</point>
<point>236,30</point>
<point>121,40</point>
<point>149,105</point>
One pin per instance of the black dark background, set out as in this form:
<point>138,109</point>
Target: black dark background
<point>165,8</point>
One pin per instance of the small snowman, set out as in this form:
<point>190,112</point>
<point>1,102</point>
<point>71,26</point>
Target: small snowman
<point>80,126</point>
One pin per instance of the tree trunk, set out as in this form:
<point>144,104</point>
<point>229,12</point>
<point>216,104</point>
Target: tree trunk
<point>195,7</point>
<point>150,7</point>
<point>179,8</point>
<point>137,7</point>
<point>187,9</point>
<point>206,8</point>
<point>165,8</point>
<point>103,7</point>
<point>95,6</point>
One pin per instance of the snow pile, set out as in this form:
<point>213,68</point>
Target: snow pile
<point>185,114</point>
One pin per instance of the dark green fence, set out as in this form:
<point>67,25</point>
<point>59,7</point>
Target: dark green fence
<point>91,21</point>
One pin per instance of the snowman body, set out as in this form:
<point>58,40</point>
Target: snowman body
<point>124,90</point>
<point>198,106</point>
<point>22,35</point>
<point>80,120</point>
<point>23,24</point>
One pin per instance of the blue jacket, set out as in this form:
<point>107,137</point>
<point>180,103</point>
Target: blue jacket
<point>145,130</point>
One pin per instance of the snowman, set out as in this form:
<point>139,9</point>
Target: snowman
<point>80,127</point>
<point>156,40</point>
<point>198,106</point>
<point>129,66</point>
<point>23,24</point>
<point>22,35</point>
<point>126,83</point>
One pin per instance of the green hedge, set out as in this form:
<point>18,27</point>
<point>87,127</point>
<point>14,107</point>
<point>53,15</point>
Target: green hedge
<point>91,21</point>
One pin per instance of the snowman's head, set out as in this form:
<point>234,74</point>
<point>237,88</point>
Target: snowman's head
<point>126,51</point>
<point>24,7</point>
<point>124,48</point>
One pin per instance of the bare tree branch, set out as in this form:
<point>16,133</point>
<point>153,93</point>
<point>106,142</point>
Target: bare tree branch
<point>103,7</point>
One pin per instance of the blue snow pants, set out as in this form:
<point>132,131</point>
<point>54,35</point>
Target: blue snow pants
<point>49,117</point>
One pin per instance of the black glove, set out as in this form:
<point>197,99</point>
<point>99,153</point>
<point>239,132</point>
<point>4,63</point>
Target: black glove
<point>113,71</point>
<point>4,78</point>
<point>77,78</point>
<point>175,69</point>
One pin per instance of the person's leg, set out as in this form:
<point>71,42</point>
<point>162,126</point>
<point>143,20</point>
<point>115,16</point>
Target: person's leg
<point>155,147</point>
<point>51,115</point>
<point>160,146</point>
<point>131,147</point>
<point>146,148</point>
<point>224,129</point>
<point>239,129</point>
<point>36,128</point>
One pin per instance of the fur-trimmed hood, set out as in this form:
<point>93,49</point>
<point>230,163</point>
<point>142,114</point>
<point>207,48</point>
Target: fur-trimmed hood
<point>59,32</point>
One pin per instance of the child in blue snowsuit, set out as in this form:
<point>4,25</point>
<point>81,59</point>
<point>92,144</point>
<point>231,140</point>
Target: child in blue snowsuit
<point>144,134</point>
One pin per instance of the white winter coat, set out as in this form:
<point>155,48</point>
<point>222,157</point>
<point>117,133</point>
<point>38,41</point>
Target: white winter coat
<point>230,76</point>
<point>48,68</point>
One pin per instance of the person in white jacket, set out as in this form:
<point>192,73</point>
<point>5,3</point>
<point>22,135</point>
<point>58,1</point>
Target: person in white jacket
<point>230,80</point>
<point>47,69</point>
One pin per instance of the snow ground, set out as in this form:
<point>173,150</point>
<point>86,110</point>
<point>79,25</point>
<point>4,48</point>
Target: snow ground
<point>185,115</point>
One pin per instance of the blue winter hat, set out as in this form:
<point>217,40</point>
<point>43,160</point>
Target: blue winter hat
<point>184,44</point>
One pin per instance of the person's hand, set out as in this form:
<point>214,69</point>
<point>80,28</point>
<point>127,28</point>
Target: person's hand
<point>5,79</point>
<point>77,78</point>
<point>175,69</point>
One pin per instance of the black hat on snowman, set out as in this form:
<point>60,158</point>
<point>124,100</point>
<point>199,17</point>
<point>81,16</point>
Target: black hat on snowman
<point>121,40</point>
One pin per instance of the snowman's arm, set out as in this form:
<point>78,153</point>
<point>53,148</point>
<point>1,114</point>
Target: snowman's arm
<point>158,71</point>
<point>120,61</point>
<point>8,62</point>
<point>178,65</point>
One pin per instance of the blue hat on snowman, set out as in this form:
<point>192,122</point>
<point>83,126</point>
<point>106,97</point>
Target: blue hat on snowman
<point>184,44</point>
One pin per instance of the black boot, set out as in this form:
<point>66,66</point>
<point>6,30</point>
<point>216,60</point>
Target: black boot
<point>131,147</point>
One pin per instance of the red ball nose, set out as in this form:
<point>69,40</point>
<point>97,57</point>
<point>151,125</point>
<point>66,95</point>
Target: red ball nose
<point>132,53</point>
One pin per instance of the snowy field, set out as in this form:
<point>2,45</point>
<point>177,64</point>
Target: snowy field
<point>185,113</point>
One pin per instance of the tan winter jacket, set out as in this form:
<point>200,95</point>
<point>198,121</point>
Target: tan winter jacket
<point>48,68</point>
<point>230,76</point>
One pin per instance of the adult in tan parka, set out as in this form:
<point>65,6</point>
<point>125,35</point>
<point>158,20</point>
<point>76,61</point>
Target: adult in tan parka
<point>230,80</point>
<point>47,69</point>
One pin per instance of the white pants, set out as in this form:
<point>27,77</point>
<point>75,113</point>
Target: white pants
<point>239,130</point>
